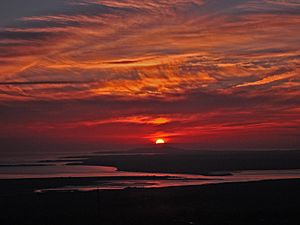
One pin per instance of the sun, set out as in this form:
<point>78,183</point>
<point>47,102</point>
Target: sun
<point>160,141</point>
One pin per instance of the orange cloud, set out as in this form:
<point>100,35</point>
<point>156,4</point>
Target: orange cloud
<point>201,67</point>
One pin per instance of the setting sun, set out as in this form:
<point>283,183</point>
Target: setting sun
<point>160,141</point>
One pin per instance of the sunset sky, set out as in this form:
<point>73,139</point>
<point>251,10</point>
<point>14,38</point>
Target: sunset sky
<point>201,74</point>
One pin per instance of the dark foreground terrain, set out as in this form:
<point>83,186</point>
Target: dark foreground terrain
<point>255,203</point>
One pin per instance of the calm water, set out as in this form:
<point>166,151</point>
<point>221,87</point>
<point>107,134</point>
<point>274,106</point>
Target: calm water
<point>62,170</point>
<point>182,180</point>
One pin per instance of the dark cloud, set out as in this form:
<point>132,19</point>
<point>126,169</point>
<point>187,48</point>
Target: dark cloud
<point>105,69</point>
<point>42,82</point>
<point>23,35</point>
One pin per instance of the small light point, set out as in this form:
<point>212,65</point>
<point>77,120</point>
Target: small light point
<point>160,141</point>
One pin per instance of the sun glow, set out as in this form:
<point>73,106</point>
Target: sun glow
<point>159,141</point>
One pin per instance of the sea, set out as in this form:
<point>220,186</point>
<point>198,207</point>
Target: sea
<point>35,165</point>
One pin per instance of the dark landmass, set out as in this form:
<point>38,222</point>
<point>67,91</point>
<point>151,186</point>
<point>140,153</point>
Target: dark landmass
<point>26,165</point>
<point>253,203</point>
<point>206,163</point>
<point>12,186</point>
<point>60,160</point>
<point>155,149</point>
<point>76,157</point>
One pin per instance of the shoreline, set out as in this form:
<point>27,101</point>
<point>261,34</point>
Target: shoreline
<point>248,203</point>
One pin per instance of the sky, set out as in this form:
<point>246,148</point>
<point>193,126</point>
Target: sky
<point>205,74</point>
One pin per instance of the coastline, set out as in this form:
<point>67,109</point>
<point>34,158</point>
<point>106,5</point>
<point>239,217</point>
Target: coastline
<point>260,202</point>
